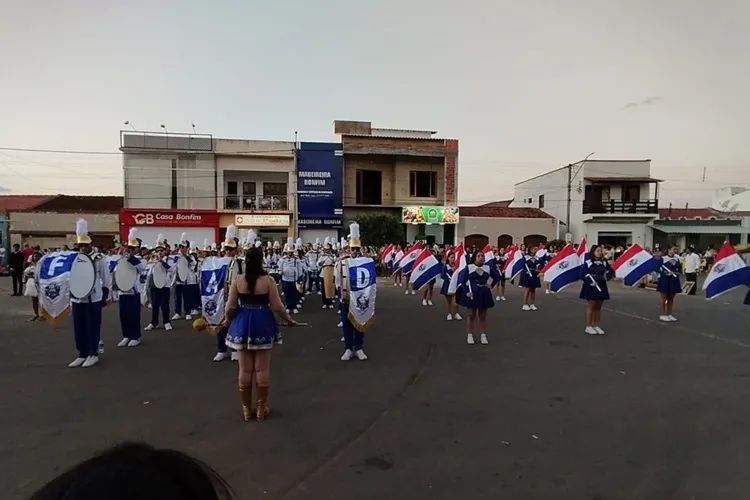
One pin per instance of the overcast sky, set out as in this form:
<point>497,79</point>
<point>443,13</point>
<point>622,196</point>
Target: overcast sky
<point>525,86</point>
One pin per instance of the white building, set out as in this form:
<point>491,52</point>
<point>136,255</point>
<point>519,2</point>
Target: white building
<point>732,199</point>
<point>606,201</point>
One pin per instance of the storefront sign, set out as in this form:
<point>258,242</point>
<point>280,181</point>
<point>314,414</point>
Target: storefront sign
<point>311,223</point>
<point>261,220</point>
<point>169,218</point>
<point>430,215</point>
<point>320,168</point>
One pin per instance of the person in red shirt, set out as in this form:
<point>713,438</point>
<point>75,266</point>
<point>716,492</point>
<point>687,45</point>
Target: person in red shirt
<point>27,253</point>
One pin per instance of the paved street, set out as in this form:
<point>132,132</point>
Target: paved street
<point>648,411</point>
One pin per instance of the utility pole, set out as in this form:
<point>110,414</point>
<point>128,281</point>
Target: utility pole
<point>570,201</point>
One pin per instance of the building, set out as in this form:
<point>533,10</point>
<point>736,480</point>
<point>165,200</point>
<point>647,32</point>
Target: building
<point>502,226</point>
<point>607,201</point>
<point>51,223</point>
<point>409,174</point>
<point>320,180</point>
<point>13,203</point>
<point>200,225</point>
<point>699,228</point>
<point>732,199</point>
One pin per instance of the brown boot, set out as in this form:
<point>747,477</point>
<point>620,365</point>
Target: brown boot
<point>262,410</point>
<point>246,397</point>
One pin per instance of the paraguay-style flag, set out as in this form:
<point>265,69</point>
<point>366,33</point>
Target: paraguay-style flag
<point>386,255</point>
<point>582,250</point>
<point>460,270</point>
<point>515,264</point>
<point>396,255</point>
<point>406,263</point>
<point>634,264</point>
<point>728,272</point>
<point>541,251</point>
<point>563,269</point>
<point>489,255</point>
<point>426,267</point>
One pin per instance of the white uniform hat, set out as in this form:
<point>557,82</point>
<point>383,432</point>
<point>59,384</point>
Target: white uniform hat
<point>82,232</point>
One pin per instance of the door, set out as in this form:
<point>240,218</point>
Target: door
<point>592,201</point>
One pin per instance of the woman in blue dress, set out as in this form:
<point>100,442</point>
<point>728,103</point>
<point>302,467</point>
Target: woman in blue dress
<point>530,280</point>
<point>478,297</point>
<point>451,300</point>
<point>429,288</point>
<point>500,259</point>
<point>595,273</point>
<point>669,285</point>
<point>253,298</point>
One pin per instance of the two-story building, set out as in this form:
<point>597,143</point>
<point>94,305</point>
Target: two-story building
<point>410,174</point>
<point>607,201</point>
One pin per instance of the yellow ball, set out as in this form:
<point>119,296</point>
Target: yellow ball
<point>199,324</point>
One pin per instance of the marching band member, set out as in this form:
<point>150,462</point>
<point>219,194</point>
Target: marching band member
<point>290,276</point>
<point>326,264</point>
<point>182,291</point>
<point>343,255</point>
<point>159,293</point>
<point>87,312</point>
<point>668,285</point>
<point>530,280</point>
<point>313,277</point>
<point>193,282</point>
<point>478,297</point>
<point>130,300</point>
<point>448,269</point>
<point>253,331</point>
<point>354,339</point>
<point>596,271</point>
<point>230,250</point>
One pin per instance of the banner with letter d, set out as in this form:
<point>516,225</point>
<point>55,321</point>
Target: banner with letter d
<point>362,292</point>
<point>213,286</point>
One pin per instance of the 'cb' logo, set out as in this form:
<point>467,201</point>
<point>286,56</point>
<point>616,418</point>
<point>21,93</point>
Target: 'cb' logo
<point>143,219</point>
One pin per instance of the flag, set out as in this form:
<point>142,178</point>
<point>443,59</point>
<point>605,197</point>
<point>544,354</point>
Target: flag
<point>213,289</point>
<point>515,264</point>
<point>489,255</point>
<point>54,284</point>
<point>583,250</point>
<point>460,269</point>
<point>426,267</point>
<point>396,255</point>
<point>387,252</point>
<point>634,264</point>
<point>563,269</point>
<point>541,251</point>
<point>405,264</point>
<point>363,291</point>
<point>728,272</point>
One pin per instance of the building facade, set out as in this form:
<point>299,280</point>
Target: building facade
<point>503,226</point>
<point>320,179</point>
<point>607,201</point>
<point>700,228</point>
<point>410,174</point>
<point>732,199</point>
<point>201,226</point>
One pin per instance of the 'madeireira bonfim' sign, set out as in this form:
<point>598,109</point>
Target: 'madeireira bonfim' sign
<point>429,215</point>
<point>320,183</point>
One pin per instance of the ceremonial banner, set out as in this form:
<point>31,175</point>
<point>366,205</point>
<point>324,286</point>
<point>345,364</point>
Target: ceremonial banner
<point>54,285</point>
<point>362,292</point>
<point>213,289</point>
<point>111,265</point>
<point>142,284</point>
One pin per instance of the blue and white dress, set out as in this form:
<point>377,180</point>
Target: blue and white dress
<point>669,275</point>
<point>476,283</point>
<point>500,261</point>
<point>254,325</point>
<point>446,276</point>
<point>530,273</point>
<point>595,275</point>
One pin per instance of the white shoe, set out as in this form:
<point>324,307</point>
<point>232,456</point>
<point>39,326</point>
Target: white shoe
<point>347,355</point>
<point>457,317</point>
<point>424,302</point>
<point>295,311</point>
<point>134,343</point>
<point>188,317</point>
<point>497,299</point>
<point>123,342</point>
<point>671,318</point>
<point>176,316</point>
<point>503,298</point>
<point>361,355</point>
<point>429,303</point>
<point>167,326</point>
<point>77,362</point>
<point>395,284</point>
<point>342,339</point>
<point>546,292</point>
<point>234,356</point>
<point>101,347</point>
<point>533,307</point>
<point>401,284</point>
<point>320,293</point>
<point>406,292</point>
<point>526,308</point>
<point>90,361</point>
<point>449,318</point>
<point>150,306</point>
<point>591,330</point>
<point>307,293</point>
<point>330,306</point>
<point>149,327</point>
<point>324,306</point>
<point>470,339</point>
<point>483,339</point>
<point>220,356</point>
<point>341,323</point>
<point>599,330</point>
<point>665,319</point>
<point>413,292</point>
<point>195,312</point>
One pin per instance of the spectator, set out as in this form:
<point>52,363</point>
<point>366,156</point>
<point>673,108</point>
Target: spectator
<point>27,252</point>
<point>692,264</point>
<point>16,262</point>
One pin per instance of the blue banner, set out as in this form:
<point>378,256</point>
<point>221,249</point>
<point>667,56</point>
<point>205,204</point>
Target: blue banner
<point>320,179</point>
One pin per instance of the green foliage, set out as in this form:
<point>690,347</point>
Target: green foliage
<point>556,243</point>
<point>380,229</point>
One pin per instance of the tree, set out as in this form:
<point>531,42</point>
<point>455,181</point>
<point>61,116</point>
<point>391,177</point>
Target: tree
<point>380,229</point>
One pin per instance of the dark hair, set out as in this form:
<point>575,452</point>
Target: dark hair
<point>253,267</point>
<point>137,471</point>
<point>592,252</point>
<point>474,258</point>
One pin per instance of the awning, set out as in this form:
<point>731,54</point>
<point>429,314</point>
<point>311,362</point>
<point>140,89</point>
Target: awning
<point>702,229</point>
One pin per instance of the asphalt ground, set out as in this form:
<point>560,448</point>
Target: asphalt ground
<point>648,411</point>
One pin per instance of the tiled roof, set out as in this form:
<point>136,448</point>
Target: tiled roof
<point>498,204</point>
<point>506,212</point>
<point>692,213</point>
<point>13,202</point>
<point>73,203</point>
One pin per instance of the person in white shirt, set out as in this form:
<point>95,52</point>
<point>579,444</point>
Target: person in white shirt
<point>692,264</point>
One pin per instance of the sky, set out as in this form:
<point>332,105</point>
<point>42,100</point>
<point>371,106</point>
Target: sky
<point>525,86</point>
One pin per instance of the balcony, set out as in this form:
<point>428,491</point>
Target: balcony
<point>621,207</point>
<point>257,202</point>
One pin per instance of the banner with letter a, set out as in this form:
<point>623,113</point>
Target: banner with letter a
<point>362,292</point>
<point>213,289</point>
<point>54,285</point>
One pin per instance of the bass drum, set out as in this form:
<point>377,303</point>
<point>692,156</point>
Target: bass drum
<point>126,275</point>
<point>159,275</point>
<point>82,276</point>
<point>183,269</point>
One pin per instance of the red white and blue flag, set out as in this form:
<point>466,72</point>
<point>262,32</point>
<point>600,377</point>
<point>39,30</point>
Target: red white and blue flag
<point>582,250</point>
<point>515,263</point>
<point>426,268</point>
<point>406,263</point>
<point>728,272</point>
<point>634,264</point>
<point>541,251</point>
<point>388,252</point>
<point>489,255</point>
<point>460,269</point>
<point>396,255</point>
<point>564,268</point>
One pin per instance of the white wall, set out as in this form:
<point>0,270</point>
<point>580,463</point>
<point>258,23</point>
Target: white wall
<point>259,169</point>
<point>641,233</point>
<point>554,186</point>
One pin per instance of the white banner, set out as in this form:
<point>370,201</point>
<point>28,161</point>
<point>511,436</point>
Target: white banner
<point>142,284</point>
<point>363,291</point>
<point>213,288</point>
<point>54,284</point>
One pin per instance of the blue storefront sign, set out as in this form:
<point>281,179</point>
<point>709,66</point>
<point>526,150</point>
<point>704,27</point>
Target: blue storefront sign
<point>4,243</point>
<point>320,179</point>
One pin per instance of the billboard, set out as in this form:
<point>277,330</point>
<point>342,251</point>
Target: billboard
<point>429,215</point>
<point>320,181</point>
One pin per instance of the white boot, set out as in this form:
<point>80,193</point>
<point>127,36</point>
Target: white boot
<point>483,339</point>
<point>234,356</point>
<point>470,339</point>
<point>449,318</point>
<point>429,303</point>
<point>457,317</point>
<point>424,302</point>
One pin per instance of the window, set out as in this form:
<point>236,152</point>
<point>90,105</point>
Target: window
<point>248,188</point>
<point>173,200</point>
<point>423,184</point>
<point>232,199</point>
<point>232,188</point>
<point>274,189</point>
<point>274,196</point>
<point>541,201</point>
<point>248,195</point>
<point>369,187</point>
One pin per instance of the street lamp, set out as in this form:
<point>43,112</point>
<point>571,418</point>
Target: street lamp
<point>128,124</point>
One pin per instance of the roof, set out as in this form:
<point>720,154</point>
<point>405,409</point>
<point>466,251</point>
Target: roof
<point>369,136</point>
<point>702,229</point>
<point>73,203</point>
<point>17,202</point>
<point>504,212</point>
<point>692,213</point>
<point>498,204</point>
<point>622,179</point>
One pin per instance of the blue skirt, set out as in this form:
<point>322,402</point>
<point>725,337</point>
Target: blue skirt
<point>444,287</point>
<point>481,298</point>
<point>668,284</point>
<point>253,327</point>
<point>590,292</point>
<point>527,281</point>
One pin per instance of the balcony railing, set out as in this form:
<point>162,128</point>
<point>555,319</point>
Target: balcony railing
<point>257,202</point>
<point>621,207</point>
